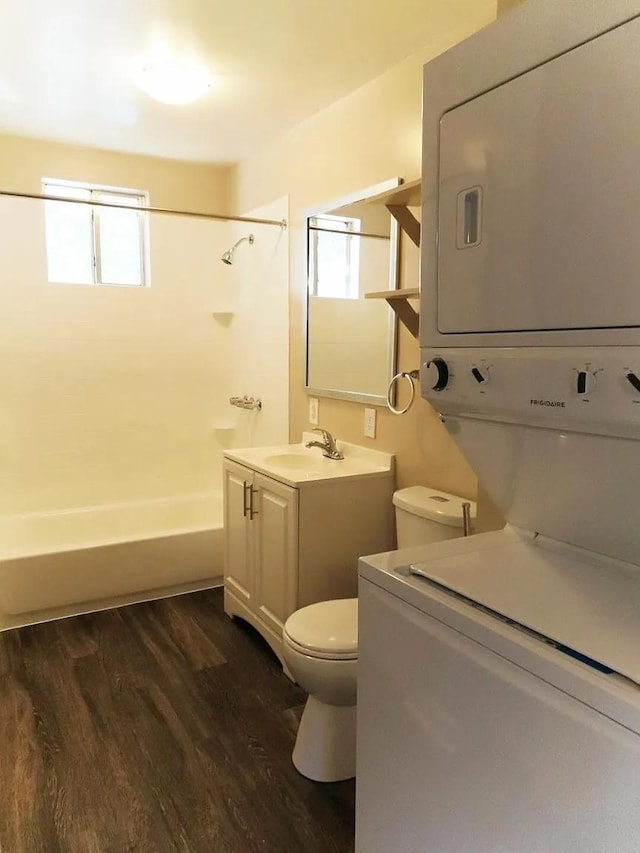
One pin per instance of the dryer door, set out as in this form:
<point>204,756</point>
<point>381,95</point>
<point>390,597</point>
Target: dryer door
<point>539,211</point>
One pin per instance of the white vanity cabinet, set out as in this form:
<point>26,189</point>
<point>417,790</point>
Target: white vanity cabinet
<point>260,522</point>
<point>292,538</point>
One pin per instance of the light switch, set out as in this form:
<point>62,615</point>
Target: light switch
<point>370,423</point>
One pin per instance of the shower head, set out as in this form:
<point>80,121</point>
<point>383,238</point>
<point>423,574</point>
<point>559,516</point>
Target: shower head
<point>227,258</point>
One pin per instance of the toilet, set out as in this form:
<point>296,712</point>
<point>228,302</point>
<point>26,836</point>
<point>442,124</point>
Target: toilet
<point>320,645</point>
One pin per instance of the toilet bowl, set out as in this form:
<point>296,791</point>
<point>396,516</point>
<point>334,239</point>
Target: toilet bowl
<point>320,648</point>
<point>320,645</point>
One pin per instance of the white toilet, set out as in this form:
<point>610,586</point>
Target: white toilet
<point>320,645</point>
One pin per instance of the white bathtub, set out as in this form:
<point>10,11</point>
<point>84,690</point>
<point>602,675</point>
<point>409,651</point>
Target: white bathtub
<point>58,563</point>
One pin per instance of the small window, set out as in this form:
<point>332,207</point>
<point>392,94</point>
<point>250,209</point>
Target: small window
<point>96,245</point>
<point>334,257</point>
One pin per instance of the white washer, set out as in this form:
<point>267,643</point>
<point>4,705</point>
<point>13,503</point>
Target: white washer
<point>498,741</point>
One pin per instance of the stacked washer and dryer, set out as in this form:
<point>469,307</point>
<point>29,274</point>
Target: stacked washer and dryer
<point>499,675</point>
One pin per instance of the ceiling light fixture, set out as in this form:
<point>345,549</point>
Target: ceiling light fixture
<point>175,81</point>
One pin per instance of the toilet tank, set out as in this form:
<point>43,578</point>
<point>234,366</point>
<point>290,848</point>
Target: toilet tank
<point>425,515</point>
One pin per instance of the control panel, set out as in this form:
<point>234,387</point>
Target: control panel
<point>595,389</point>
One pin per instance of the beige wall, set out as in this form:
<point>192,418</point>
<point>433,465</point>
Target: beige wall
<point>367,137</point>
<point>505,5</point>
<point>171,183</point>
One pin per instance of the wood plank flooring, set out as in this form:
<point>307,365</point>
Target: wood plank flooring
<point>156,727</point>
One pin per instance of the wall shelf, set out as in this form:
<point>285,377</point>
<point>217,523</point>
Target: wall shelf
<point>398,201</point>
<point>399,301</point>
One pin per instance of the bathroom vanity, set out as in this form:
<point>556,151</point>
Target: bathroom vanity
<point>295,524</point>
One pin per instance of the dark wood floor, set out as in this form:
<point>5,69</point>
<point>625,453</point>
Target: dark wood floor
<point>156,727</point>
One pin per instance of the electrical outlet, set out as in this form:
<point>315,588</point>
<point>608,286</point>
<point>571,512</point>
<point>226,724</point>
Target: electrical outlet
<point>313,411</point>
<point>370,423</point>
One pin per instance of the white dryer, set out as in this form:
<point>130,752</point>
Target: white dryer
<point>499,676</point>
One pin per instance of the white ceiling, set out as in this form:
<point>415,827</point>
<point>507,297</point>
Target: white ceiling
<point>66,66</point>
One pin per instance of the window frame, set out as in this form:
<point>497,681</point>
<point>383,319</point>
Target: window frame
<point>132,196</point>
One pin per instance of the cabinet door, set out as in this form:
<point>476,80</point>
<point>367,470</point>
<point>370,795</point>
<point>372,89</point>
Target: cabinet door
<point>238,567</point>
<point>275,534</point>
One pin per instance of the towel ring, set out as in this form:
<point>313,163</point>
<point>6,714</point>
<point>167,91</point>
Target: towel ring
<point>406,374</point>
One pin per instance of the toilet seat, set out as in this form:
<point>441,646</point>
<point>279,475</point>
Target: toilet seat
<point>319,654</point>
<point>327,630</point>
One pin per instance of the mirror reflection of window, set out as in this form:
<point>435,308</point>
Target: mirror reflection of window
<point>352,246</point>
<point>334,257</point>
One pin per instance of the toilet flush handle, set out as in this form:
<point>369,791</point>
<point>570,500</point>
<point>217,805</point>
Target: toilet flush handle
<point>466,518</point>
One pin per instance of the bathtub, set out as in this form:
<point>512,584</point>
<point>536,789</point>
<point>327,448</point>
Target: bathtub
<point>56,564</point>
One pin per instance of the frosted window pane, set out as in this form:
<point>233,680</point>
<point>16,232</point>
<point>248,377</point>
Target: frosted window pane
<point>120,254</point>
<point>69,238</point>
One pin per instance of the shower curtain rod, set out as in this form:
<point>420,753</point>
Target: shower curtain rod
<point>281,223</point>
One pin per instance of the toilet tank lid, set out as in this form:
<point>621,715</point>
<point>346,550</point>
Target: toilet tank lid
<point>433,505</point>
<point>329,626</point>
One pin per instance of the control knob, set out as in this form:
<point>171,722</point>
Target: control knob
<point>480,374</point>
<point>438,373</point>
<point>633,379</point>
<point>585,382</point>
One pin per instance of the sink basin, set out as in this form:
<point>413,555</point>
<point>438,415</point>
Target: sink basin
<point>297,465</point>
<point>293,461</point>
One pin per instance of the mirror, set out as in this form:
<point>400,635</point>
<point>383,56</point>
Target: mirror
<point>352,250</point>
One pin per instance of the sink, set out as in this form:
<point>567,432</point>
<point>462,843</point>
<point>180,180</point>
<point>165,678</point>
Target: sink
<point>293,461</point>
<point>297,465</point>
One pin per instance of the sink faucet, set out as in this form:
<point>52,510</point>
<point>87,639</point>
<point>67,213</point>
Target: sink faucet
<point>327,445</point>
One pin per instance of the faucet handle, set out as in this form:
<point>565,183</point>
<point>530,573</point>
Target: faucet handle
<point>328,444</point>
<point>328,439</point>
